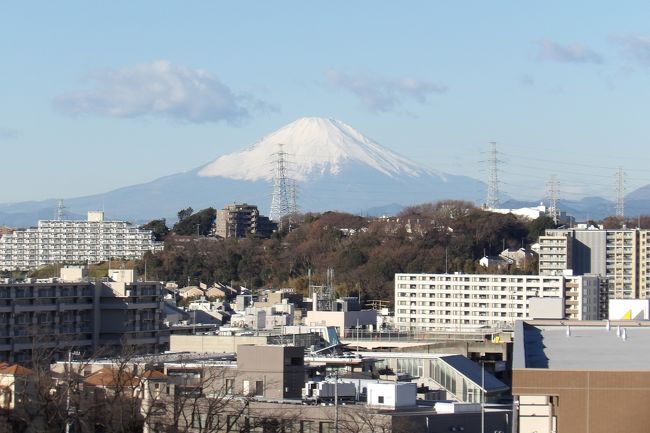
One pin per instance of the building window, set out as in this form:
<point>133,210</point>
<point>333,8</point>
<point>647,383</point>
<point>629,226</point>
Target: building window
<point>380,399</point>
<point>326,427</point>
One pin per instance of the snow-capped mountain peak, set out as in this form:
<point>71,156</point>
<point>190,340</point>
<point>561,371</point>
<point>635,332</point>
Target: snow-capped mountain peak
<point>314,146</point>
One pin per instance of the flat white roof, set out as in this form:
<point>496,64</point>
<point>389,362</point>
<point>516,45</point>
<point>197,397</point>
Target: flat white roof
<point>586,347</point>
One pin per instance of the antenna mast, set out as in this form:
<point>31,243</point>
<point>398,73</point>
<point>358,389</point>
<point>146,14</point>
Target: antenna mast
<point>553,186</point>
<point>620,193</point>
<point>323,296</point>
<point>493,178</point>
<point>280,198</point>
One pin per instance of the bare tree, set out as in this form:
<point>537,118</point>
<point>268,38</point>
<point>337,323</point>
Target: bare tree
<point>363,419</point>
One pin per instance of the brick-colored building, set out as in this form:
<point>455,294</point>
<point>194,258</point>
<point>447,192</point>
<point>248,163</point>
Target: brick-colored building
<point>581,377</point>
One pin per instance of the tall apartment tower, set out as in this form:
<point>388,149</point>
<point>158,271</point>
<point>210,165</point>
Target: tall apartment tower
<point>620,257</point>
<point>240,220</point>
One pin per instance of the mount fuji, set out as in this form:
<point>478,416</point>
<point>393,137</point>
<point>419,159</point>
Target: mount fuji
<point>335,168</point>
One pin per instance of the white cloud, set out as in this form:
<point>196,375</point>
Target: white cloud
<point>636,45</point>
<point>160,89</point>
<point>381,95</point>
<point>572,53</point>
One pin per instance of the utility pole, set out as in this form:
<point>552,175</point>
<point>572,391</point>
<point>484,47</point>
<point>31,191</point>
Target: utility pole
<point>68,421</point>
<point>336,402</point>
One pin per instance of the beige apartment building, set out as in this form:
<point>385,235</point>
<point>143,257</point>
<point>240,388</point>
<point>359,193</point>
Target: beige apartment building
<point>241,220</point>
<point>620,257</point>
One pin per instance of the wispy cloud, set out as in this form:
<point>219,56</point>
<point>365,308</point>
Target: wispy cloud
<point>571,53</point>
<point>7,134</point>
<point>638,46</point>
<point>382,95</point>
<point>160,88</point>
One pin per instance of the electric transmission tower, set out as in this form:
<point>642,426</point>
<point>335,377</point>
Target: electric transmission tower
<point>493,178</point>
<point>620,193</point>
<point>293,205</point>
<point>553,188</point>
<point>60,211</point>
<point>280,200</point>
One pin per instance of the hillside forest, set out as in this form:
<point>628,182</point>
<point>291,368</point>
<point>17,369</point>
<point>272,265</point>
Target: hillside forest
<point>365,253</point>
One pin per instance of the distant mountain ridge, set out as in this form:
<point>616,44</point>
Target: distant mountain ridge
<point>336,168</point>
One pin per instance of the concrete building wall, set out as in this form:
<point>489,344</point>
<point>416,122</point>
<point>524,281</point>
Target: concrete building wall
<point>343,320</point>
<point>582,401</point>
<point>546,308</point>
<point>279,370</point>
<point>212,343</point>
<point>589,252</point>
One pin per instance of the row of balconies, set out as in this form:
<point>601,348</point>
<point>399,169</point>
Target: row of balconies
<point>457,312</point>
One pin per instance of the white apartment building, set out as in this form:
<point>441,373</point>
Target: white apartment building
<point>74,242</point>
<point>428,302</point>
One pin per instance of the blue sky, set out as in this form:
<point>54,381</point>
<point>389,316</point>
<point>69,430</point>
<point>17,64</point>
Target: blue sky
<point>97,96</point>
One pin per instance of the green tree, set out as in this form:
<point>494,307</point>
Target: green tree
<point>158,228</point>
<point>199,223</point>
<point>184,213</point>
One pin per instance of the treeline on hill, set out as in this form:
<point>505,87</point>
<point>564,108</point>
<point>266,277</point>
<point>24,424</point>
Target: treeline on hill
<point>365,253</point>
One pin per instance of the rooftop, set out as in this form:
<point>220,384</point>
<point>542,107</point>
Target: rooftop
<point>573,345</point>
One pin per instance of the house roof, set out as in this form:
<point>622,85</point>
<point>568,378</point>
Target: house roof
<point>16,370</point>
<point>109,377</point>
<point>154,375</point>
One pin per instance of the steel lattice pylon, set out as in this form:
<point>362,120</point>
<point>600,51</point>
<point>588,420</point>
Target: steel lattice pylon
<point>280,201</point>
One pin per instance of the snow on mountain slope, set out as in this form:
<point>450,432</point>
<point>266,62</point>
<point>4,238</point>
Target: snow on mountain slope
<point>336,167</point>
<point>315,146</point>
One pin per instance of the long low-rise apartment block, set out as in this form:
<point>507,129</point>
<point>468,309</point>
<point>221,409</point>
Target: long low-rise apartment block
<point>427,302</point>
<point>74,242</point>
